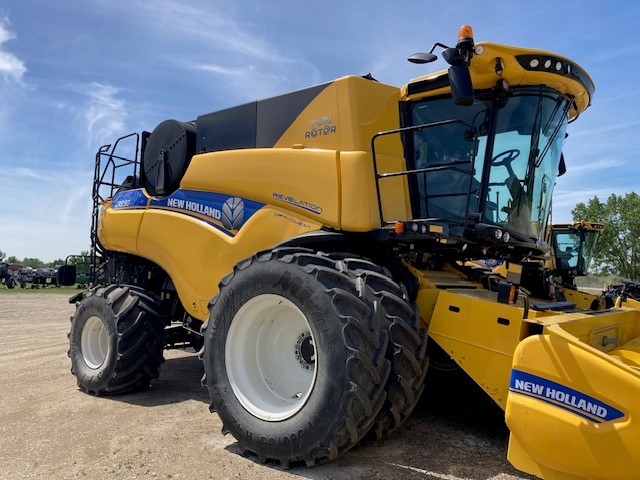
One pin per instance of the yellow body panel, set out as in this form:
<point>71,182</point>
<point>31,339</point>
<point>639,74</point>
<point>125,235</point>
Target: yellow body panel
<point>119,231</point>
<point>358,191</point>
<point>479,334</point>
<point>581,299</point>
<point>304,181</point>
<point>195,254</point>
<point>345,116</point>
<point>334,188</point>
<point>359,197</point>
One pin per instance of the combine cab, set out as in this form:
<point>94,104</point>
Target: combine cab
<point>572,245</point>
<point>312,242</point>
<point>553,279</point>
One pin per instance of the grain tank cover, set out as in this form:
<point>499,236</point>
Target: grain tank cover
<point>257,124</point>
<point>166,156</point>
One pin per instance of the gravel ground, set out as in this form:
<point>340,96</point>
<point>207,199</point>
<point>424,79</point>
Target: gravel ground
<point>49,429</point>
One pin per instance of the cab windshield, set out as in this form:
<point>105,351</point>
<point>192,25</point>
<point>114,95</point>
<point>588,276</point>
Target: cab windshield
<point>573,249</point>
<point>499,161</point>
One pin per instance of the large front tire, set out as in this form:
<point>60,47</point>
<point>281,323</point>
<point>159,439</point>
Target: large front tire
<point>294,357</point>
<point>116,340</point>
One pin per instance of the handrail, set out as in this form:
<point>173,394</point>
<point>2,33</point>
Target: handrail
<point>450,166</point>
<point>104,185</point>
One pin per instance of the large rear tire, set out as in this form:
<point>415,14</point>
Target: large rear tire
<point>407,345</point>
<point>116,340</point>
<point>294,357</point>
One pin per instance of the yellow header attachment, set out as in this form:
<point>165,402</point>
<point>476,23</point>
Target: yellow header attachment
<point>491,62</point>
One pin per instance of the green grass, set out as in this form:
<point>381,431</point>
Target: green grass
<point>29,291</point>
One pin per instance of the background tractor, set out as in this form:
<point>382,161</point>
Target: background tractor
<point>571,246</point>
<point>6,276</point>
<point>625,289</point>
<point>37,277</point>
<point>312,242</point>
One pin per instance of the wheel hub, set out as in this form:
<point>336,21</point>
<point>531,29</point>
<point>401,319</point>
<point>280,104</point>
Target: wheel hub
<point>305,351</point>
<point>94,342</point>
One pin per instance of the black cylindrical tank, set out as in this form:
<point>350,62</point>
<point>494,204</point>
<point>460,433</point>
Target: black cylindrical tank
<point>166,156</point>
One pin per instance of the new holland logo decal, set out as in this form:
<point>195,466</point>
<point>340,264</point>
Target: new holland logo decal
<point>223,212</point>
<point>553,393</point>
<point>233,213</point>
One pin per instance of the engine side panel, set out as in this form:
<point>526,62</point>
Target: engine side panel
<point>198,237</point>
<point>304,181</point>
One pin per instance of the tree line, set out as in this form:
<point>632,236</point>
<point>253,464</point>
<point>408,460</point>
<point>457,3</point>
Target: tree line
<point>618,249</point>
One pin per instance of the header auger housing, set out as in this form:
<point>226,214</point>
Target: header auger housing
<point>320,237</point>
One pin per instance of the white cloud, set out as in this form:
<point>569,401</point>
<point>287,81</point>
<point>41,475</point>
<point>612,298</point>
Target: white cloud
<point>246,78</point>
<point>209,25</point>
<point>221,70</point>
<point>11,67</point>
<point>105,114</point>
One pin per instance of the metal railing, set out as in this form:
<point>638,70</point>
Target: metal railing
<point>452,166</point>
<point>105,184</point>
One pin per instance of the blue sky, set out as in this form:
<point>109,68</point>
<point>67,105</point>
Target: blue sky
<point>77,74</point>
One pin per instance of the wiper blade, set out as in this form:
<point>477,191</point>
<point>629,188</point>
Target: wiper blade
<point>555,130</point>
<point>533,148</point>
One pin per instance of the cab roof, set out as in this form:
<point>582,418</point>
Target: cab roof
<point>519,67</point>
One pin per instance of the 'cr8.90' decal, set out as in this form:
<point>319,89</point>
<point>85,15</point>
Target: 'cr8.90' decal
<point>129,199</point>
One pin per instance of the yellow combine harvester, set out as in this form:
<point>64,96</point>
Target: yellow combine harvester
<point>571,247</point>
<point>320,236</point>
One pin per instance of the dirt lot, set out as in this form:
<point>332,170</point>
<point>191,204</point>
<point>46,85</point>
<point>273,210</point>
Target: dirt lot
<point>49,429</point>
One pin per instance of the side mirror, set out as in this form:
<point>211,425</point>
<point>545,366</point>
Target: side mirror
<point>66,275</point>
<point>562,167</point>
<point>461,86</point>
<point>422,58</point>
<point>459,77</point>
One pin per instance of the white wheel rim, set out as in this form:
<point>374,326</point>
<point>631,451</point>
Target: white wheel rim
<point>94,342</point>
<point>270,357</point>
